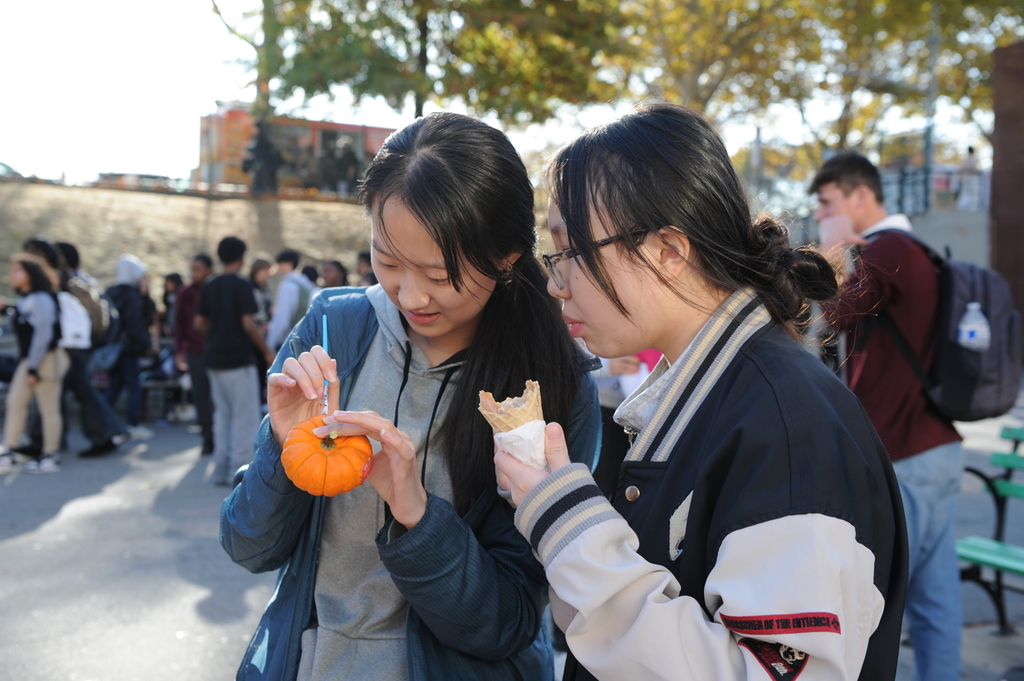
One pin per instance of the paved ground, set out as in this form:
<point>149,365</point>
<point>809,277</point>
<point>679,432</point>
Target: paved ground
<point>111,570</point>
<point>985,655</point>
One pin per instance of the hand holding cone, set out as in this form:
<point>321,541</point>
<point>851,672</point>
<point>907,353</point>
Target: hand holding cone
<point>514,411</point>
<point>518,425</point>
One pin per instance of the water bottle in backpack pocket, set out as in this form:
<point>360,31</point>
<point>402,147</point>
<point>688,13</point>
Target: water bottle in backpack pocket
<point>976,373</point>
<point>973,332</point>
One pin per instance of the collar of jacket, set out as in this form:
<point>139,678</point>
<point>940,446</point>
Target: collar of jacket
<point>894,221</point>
<point>662,408</point>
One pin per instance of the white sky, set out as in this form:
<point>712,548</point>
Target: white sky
<point>120,85</point>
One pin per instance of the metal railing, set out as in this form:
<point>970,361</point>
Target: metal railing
<point>906,190</point>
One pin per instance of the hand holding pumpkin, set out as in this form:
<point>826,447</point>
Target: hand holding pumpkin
<point>325,465</point>
<point>297,393</point>
<point>394,473</point>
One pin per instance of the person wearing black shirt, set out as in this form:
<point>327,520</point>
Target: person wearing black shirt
<point>225,315</point>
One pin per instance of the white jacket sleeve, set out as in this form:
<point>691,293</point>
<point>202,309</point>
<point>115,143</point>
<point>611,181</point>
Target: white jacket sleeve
<point>791,596</point>
<point>284,309</point>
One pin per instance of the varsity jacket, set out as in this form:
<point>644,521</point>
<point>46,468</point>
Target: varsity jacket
<point>756,531</point>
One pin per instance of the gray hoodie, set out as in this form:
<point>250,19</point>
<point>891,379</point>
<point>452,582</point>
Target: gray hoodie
<point>361,613</point>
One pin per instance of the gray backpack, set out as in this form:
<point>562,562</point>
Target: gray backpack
<point>965,385</point>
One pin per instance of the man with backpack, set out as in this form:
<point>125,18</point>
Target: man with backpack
<point>894,278</point>
<point>293,296</point>
<point>100,424</point>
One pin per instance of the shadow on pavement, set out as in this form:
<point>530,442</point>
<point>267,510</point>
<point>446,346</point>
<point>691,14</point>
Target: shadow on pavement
<point>28,501</point>
<point>193,509</point>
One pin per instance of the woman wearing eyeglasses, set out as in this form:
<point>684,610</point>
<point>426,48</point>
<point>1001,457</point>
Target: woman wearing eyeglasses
<point>756,528</point>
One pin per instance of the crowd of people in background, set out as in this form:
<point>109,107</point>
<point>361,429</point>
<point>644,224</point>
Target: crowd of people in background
<point>102,345</point>
<point>335,170</point>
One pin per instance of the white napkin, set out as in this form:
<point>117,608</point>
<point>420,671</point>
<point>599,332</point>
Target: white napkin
<point>526,443</point>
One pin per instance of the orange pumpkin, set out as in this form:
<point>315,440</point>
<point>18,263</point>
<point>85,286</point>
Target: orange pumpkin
<point>325,466</point>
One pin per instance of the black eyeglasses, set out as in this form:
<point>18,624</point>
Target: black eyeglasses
<point>554,258</point>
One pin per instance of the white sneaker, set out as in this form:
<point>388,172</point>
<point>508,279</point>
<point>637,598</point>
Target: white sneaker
<point>140,432</point>
<point>48,464</point>
<point>6,463</point>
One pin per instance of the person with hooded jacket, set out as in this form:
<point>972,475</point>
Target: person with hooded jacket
<point>134,339</point>
<point>294,293</point>
<point>418,574</point>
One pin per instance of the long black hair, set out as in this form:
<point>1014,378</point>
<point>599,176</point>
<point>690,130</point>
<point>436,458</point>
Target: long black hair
<point>41,277</point>
<point>664,167</point>
<point>465,183</point>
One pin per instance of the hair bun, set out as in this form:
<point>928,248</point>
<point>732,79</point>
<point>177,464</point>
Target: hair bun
<point>771,229</point>
<point>812,274</point>
<point>790,276</point>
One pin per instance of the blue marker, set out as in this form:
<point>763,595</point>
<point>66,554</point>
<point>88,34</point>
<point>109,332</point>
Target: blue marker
<point>326,383</point>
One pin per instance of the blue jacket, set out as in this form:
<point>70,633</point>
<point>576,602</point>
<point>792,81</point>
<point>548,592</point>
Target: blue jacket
<point>475,591</point>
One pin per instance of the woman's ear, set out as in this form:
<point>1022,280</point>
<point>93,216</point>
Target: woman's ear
<point>671,251</point>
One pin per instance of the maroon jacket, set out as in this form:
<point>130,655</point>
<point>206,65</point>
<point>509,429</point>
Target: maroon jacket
<point>893,274</point>
<point>187,339</point>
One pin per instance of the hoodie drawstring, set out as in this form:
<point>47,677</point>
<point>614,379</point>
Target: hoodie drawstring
<point>433,414</point>
<point>430,426</point>
<point>405,379</point>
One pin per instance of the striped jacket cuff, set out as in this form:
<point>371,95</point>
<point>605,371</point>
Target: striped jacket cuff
<point>559,509</point>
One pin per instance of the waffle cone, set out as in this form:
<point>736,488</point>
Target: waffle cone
<point>513,412</point>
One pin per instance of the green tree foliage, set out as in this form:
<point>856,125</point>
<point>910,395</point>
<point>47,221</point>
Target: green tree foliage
<point>516,58</point>
<point>970,35</point>
<point>521,59</point>
<point>707,52</point>
<point>266,43</point>
<point>876,54</point>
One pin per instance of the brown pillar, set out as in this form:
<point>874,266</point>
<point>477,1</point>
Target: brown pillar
<point>1007,235</point>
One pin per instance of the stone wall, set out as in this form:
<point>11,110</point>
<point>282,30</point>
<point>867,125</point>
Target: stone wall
<point>166,230</point>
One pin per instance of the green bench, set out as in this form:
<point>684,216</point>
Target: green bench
<point>996,554</point>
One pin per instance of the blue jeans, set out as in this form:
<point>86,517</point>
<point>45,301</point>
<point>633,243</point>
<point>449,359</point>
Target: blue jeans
<point>126,374</point>
<point>930,484</point>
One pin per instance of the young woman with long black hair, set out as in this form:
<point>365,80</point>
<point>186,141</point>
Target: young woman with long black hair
<point>43,363</point>
<point>419,574</point>
<point>756,530</point>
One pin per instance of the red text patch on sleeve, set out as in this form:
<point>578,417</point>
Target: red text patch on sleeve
<point>800,623</point>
